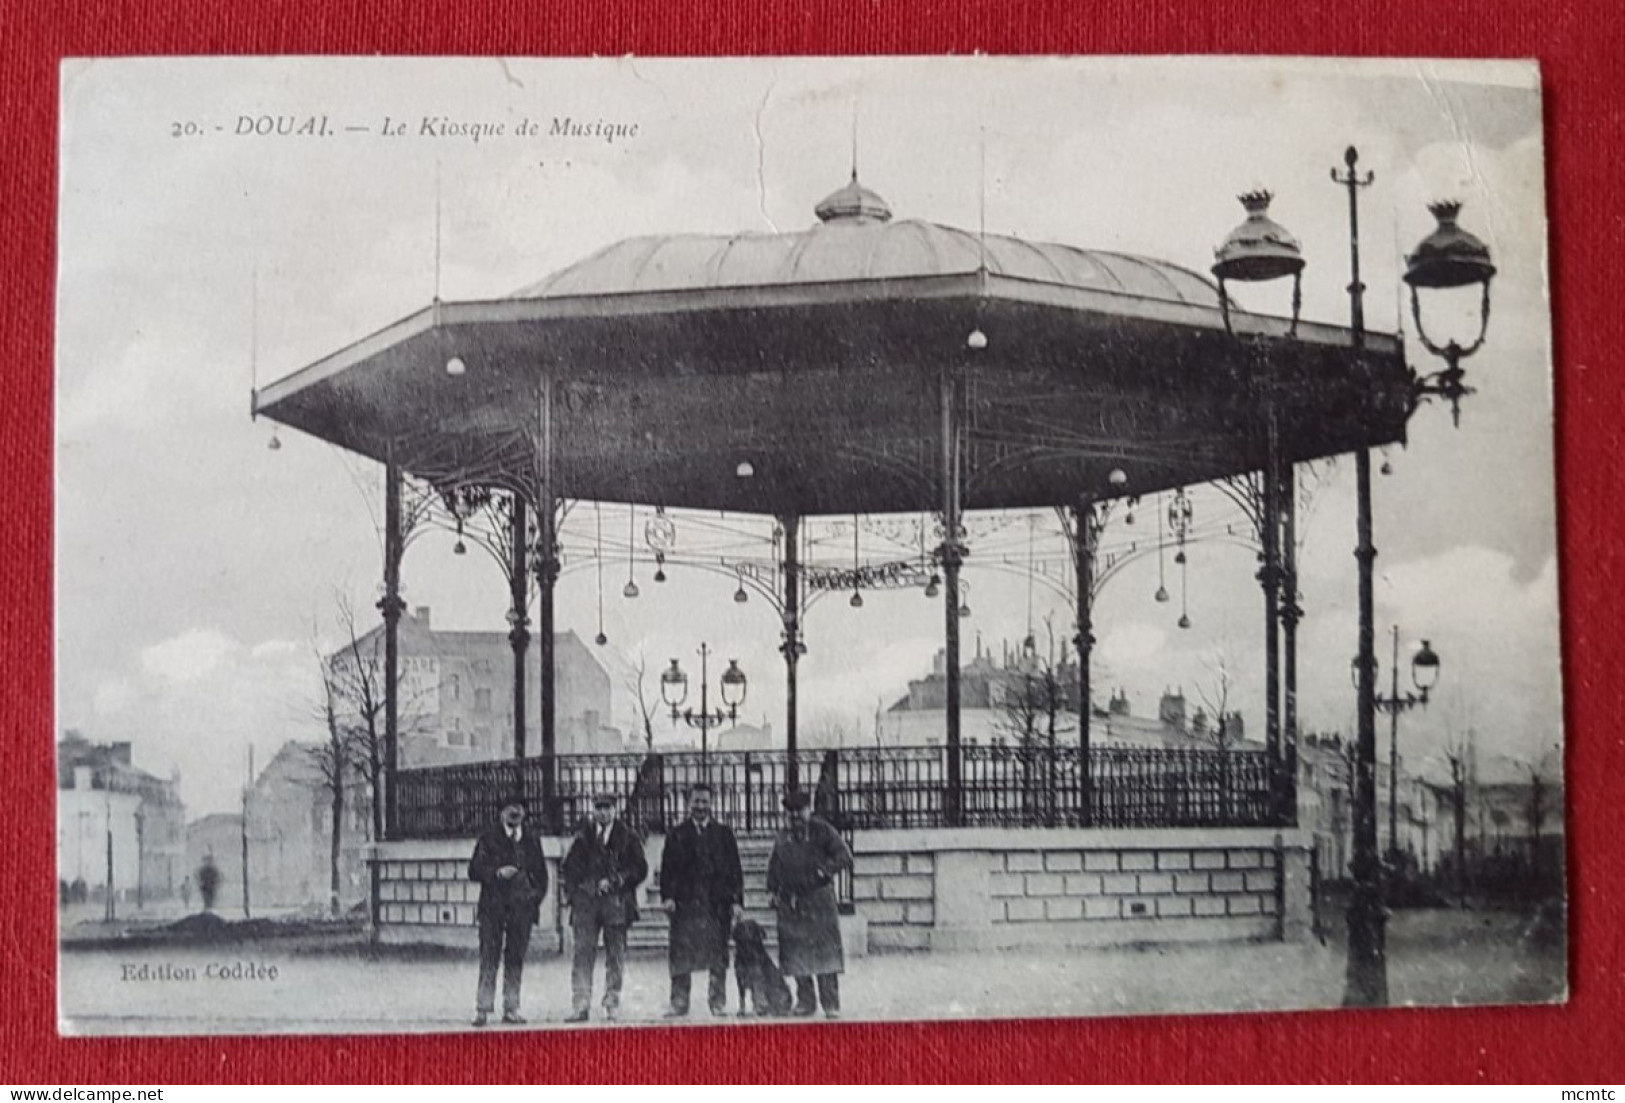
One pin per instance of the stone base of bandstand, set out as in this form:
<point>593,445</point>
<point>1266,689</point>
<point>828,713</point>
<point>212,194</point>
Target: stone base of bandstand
<point>999,888</point>
<point>957,889</point>
<point>426,899</point>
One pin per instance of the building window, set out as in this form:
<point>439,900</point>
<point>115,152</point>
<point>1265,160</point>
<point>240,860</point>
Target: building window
<point>455,738</point>
<point>456,686</point>
<point>482,700</point>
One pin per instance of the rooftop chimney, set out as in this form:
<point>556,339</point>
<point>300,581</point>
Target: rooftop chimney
<point>421,615</point>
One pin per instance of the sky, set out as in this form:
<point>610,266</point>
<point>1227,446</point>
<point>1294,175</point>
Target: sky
<point>197,569</point>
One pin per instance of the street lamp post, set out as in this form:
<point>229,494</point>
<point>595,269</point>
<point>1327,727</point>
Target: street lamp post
<point>674,690</point>
<point>1424,675</point>
<point>1257,251</point>
<point>1447,258</point>
<point>109,910</point>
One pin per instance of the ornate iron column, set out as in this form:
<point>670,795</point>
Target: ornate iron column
<point>391,606</point>
<point>1269,575</point>
<point>791,647</point>
<point>518,616</point>
<point>1291,613</point>
<point>547,574</point>
<point>952,554</point>
<point>1086,528</point>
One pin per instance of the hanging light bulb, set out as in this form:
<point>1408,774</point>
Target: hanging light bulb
<point>456,366</point>
<point>459,548</point>
<point>933,585</point>
<point>660,574</point>
<point>740,596</point>
<point>977,340</point>
<point>275,443</point>
<point>1387,468</point>
<point>1184,621</point>
<point>1179,557</point>
<point>964,609</point>
<point>1162,575</point>
<point>598,557</point>
<point>857,598</point>
<point>631,587</point>
<point>1117,476</point>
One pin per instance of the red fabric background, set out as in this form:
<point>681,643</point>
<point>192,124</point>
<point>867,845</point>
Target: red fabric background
<point>1580,44</point>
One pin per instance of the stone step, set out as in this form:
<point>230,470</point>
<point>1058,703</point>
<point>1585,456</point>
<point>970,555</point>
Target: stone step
<point>653,929</point>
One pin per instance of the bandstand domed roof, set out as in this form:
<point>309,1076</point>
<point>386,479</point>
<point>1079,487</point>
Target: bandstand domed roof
<point>856,238</point>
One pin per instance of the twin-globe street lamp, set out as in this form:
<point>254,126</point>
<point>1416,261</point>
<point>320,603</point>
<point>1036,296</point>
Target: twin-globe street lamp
<point>1448,258</point>
<point>674,691</point>
<point>1424,675</point>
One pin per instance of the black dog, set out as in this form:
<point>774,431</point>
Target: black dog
<point>758,976</point>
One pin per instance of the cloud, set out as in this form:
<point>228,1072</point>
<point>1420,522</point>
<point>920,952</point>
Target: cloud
<point>114,696</point>
<point>191,655</point>
<point>1132,645</point>
<point>272,649</point>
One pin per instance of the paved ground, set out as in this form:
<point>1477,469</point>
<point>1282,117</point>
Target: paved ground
<point>1436,958</point>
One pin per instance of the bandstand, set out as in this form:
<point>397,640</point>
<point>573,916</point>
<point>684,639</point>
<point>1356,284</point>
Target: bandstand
<point>871,365</point>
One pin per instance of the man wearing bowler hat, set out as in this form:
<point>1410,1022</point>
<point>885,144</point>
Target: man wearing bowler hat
<point>512,875</point>
<point>807,855</point>
<point>702,888</point>
<point>600,876</point>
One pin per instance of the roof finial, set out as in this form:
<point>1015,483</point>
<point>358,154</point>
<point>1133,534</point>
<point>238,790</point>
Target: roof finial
<point>981,208</point>
<point>854,139</point>
<point>437,229</point>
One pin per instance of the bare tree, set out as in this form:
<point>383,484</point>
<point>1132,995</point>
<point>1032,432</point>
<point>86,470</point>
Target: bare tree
<point>1033,702</point>
<point>635,686</point>
<point>333,761</point>
<point>1221,734</point>
<point>825,728</point>
<point>1456,755</point>
<point>355,681</point>
<point>1214,693</point>
<point>1538,808</point>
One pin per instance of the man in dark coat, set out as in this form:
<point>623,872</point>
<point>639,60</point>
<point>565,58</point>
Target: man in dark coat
<point>600,876</point>
<point>512,873</point>
<point>800,884</point>
<point>702,888</point>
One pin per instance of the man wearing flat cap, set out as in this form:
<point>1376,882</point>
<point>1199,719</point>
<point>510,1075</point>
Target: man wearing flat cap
<point>807,855</point>
<point>512,874</point>
<point>600,877</point>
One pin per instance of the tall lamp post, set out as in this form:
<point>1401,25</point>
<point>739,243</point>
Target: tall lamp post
<point>1447,258</point>
<point>1257,251</point>
<point>1424,675</point>
<point>674,691</point>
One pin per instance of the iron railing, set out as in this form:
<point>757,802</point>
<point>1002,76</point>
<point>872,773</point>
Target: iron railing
<point>861,788</point>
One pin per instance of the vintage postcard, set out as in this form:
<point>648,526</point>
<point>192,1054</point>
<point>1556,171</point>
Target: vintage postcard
<point>618,541</point>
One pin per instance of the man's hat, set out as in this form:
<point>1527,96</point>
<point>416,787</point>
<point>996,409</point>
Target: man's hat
<point>605,798</point>
<point>796,801</point>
